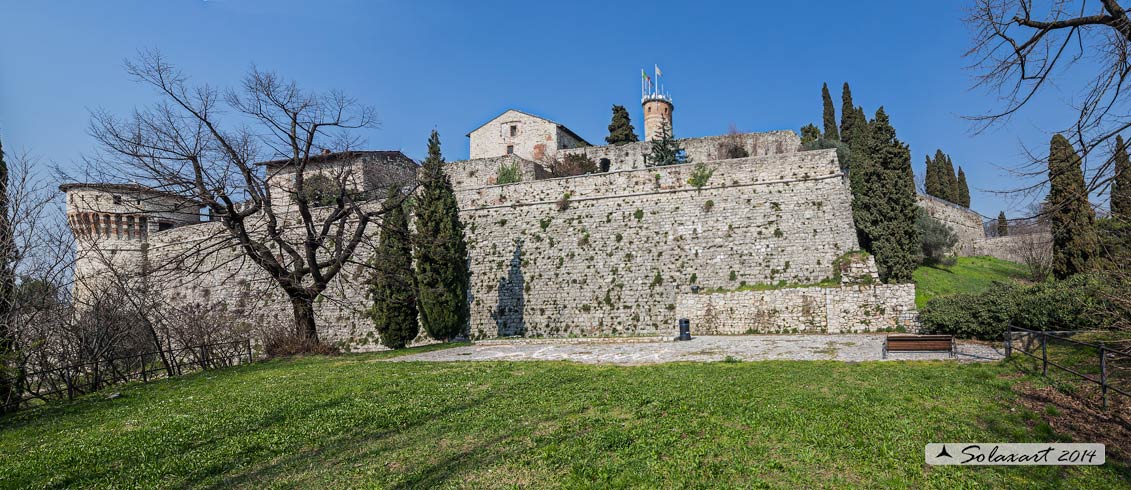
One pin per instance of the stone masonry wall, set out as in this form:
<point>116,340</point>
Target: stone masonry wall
<point>1016,248</point>
<point>226,276</point>
<point>841,309</point>
<point>966,223</point>
<point>631,155</point>
<point>611,259</point>
<point>485,171</point>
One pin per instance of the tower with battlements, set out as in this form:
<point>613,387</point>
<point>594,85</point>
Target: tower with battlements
<point>657,105</point>
<point>112,224</point>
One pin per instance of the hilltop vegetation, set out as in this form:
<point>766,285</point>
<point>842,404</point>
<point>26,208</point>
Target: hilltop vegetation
<point>353,421</point>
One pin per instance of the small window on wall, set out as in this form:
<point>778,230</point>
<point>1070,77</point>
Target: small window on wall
<point>117,199</point>
<point>510,149</point>
<point>164,226</point>
<point>514,130</point>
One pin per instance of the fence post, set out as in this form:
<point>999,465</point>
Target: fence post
<point>1009,341</point>
<point>1044,354</point>
<point>1103,373</point>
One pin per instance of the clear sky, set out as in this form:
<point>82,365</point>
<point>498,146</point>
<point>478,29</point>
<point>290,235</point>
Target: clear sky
<point>453,65</point>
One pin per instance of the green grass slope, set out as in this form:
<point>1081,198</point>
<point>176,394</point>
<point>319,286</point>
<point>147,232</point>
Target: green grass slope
<point>355,421</point>
<point>969,275</point>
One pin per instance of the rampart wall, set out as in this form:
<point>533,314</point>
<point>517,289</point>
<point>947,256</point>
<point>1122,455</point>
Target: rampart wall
<point>614,253</point>
<point>631,155</point>
<point>965,222</point>
<point>612,258</point>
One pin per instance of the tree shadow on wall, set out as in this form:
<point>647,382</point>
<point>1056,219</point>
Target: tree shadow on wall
<point>509,311</point>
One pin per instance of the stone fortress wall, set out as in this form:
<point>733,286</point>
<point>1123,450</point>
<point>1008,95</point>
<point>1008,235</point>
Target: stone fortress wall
<point>965,222</point>
<point>618,257</point>
<point>614,257</point>
<point>625,251</point>
<point>631,155</point>
<point>972,239</point>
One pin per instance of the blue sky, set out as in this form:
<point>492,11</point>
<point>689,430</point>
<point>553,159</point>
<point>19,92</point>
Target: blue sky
<point>454,65</point>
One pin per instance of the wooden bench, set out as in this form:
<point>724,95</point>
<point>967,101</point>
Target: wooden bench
<point>919,343</point>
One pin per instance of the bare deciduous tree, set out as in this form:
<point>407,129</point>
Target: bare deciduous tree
<point>1021,47</point>
<point>205,144</point>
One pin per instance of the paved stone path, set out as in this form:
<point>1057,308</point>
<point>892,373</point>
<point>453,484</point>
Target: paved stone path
<point>853,347</point>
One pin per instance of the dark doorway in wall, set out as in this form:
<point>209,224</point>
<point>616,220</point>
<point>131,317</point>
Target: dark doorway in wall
<point>604,164</point>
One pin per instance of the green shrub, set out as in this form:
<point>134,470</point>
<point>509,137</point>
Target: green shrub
<point>937,239</point>
<point>981,316</point>
<point>700,175</point>
<point>509,174</point>
<point>1077,303</point>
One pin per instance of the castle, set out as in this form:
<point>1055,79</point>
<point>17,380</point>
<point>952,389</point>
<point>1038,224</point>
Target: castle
<point>766,244</point>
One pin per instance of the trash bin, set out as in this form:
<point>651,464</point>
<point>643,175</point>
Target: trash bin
<point>684,329</point>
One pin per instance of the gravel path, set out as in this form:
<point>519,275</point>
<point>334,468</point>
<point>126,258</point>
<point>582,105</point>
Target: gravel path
<point>854,347</point>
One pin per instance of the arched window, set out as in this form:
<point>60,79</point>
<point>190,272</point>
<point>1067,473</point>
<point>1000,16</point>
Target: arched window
<point>605,164</point>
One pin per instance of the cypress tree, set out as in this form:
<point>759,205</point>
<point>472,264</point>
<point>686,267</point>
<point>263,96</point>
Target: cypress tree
<point>392,286</point>
<point>963,189</point>
<point>442,276</point>
<point>847,114</point>
<point>1071,218</point>
<point>931,181</point>
<point>883,202</point>
<point>9,391</point>
<point>1002,225</point>
<point>666,150</point>
<point>831,132</point>
<point>860,121</point>
<point>620,128</point>
<point>810,133</point>
<point>1120,204</point>
<point>949,188</point>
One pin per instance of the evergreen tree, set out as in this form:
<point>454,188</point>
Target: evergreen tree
<point>963,190</point>
<point>9,391</point>
<point>847,114</point>
<point>810,133</point>
<point>831,132</point>
<point>1002,225</point>
<point>620,129</point>
<point>1120,204</point>
<point>883,202</point>
<point>392,286</point>
<point>1071,218</point>
<point>932,181</point>
<point>666,150</point>
<point>949,188</point>
<point>442,276</point>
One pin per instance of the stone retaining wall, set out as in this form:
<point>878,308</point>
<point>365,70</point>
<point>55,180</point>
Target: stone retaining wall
<point>847,308</point>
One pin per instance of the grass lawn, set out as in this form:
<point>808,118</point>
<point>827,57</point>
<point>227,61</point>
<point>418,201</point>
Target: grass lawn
<point>348,421</point>
<point>969,275</point>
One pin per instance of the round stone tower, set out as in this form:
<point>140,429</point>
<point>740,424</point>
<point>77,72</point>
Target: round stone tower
<point>112,224</point>
<point>657,112</point>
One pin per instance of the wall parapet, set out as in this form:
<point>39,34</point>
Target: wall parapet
<point>739,172</point>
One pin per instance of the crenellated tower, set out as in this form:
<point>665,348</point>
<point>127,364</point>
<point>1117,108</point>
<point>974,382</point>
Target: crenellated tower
<point>112,223</point>
<point>657,105</point>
